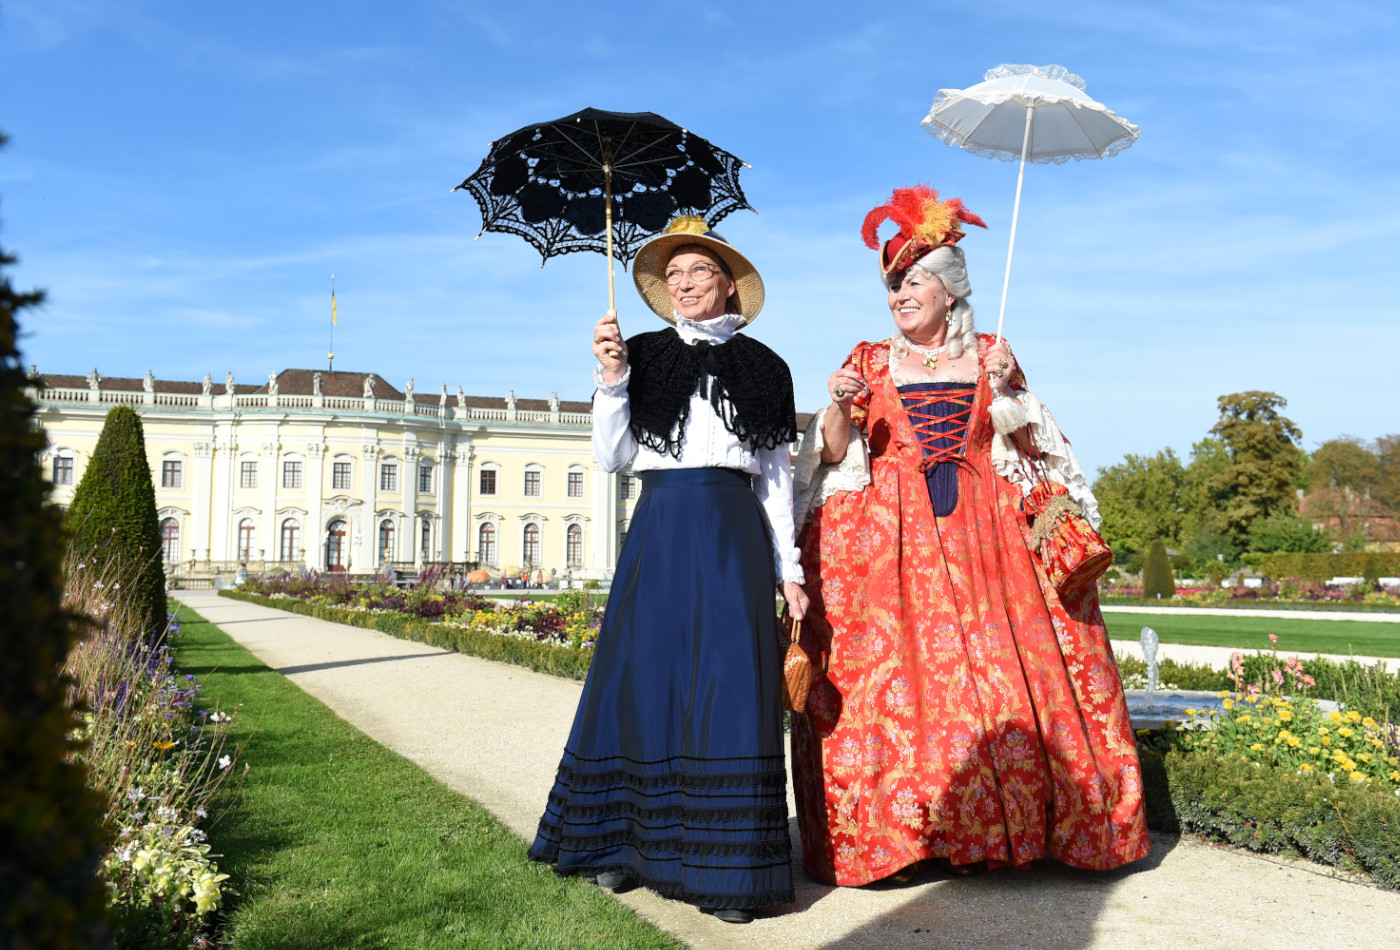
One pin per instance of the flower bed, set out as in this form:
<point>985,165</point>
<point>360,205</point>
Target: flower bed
<point>155,759</point>
<point>549,637</point>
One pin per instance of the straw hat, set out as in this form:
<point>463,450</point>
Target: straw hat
<point>649,269</point>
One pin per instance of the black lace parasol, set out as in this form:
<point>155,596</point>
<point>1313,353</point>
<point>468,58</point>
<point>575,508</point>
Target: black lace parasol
<point>602,181</point>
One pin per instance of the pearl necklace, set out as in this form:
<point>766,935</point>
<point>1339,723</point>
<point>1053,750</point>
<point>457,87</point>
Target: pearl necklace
<point>930,356</point>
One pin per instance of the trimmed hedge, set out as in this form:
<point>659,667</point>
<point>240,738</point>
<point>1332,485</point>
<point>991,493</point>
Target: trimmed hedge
<point>1270,810</point>
<point>541,657</point>
<point>113,520</point>
<point>1157,578</point>
<point>1320,568</point>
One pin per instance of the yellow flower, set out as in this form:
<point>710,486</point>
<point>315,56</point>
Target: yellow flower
<point>1257,747</point>
<point>1294,742</point>
<point>1229,704</point>
<point>1244,718</point>
<point>1222,694</point>
<point>1189,712</point>
<point>1358,778</point>
<point>1368,722</point>
<point>1365,757</point>
<point>1334,716</point>
<point>1377,743</point>
<point>163,746</point>
<point>1345,733</point>
<point>1285,716</point>
<point>1353,715</point>
<point>1305,767</point>
<point>1322,730</point>
<point>1395,776</point>
<point>1325,740</point>
<point>1393,760</point>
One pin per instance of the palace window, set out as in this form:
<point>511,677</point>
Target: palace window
<point>626,487</point>
<point>486,543</point>
<point>575,484</point>
<point>247,537</point>
<point>291,474</point>
<point>425,478</point>
<point>63,470</point>
<point>170,541</point>
<point>488,481</point>
<point>389,476</point>
<point>340,476</point>
<point>532,483</point>
<point>426,539</point>
<point>532,545</point>
<point>171,474</point>
<point>291,541</point>
<point>574,545</point>
<point>335,545</point>
<point>248,475</point>
<point>386,540</point>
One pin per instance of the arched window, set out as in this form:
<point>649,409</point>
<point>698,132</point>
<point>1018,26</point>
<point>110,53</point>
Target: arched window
<point>291,540</point>
<point>170,541</point>
<point>574,545</point>
<point>486,543</point>
<point>386,540</point>
<point>335,546</point>
<point>247,537</point>
<point>531,545</point>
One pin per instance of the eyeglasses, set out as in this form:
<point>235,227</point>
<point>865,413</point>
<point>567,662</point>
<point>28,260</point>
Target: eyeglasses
<point>699,273</point>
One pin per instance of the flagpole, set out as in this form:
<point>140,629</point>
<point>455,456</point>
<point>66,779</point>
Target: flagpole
<point>330,356</point>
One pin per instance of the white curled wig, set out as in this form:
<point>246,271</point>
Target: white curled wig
<point>950,267</point>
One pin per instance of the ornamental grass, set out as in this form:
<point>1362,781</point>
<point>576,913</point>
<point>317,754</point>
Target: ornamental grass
<point>154,758</point>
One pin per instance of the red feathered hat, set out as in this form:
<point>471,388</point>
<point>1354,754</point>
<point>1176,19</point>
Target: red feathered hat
<point>924,224</point>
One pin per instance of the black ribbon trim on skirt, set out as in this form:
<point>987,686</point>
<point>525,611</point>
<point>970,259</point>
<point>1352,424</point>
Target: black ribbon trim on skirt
<point>668,813</point>
<point>680,782</point>
<point>780,850</point>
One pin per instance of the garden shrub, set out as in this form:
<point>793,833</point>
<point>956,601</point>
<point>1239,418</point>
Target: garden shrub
<point>50,895</point>
<point>1268,809</point>
<point>113,519</point>
<point>1157,573</point>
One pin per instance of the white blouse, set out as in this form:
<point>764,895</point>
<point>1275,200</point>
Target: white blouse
<point>706,444</point>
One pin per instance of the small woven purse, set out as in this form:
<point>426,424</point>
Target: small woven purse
<point>1073,555</point>
<point>797,672</point>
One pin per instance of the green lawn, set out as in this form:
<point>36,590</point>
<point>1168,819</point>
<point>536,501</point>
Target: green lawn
<point>1345,637</point>
<point>335,841</point>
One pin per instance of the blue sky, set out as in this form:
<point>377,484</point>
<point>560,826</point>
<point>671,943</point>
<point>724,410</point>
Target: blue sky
<point>184,178</point>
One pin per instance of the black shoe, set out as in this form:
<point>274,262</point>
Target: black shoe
<point>729,915</point>
<point>614,880</point>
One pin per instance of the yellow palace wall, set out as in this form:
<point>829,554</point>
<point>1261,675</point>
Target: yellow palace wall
<point>233,452</point>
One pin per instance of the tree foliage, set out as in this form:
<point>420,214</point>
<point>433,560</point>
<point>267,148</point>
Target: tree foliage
<point>50,894</point>
<point>1265,461</point>
<point>1140,499</point>
<point>1285,534</point>
<point>1157,580</point>
<point>113,517</point>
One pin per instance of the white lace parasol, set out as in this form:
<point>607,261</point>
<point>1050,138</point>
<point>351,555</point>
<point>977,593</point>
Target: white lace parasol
<point>1039,113</point>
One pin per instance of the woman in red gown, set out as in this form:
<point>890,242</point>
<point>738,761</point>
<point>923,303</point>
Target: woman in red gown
<point>968,711</point>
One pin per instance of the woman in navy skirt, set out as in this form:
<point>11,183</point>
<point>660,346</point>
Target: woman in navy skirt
<point>673,776</point>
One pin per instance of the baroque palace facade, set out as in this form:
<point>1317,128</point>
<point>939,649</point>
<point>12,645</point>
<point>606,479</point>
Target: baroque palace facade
<point>337,470</point>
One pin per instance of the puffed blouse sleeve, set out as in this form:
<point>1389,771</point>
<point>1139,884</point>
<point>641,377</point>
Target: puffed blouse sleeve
<point>613,442</point>
<point>814,480</point>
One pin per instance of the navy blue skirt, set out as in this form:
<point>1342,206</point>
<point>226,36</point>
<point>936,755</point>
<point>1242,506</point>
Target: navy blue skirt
<point>674,770</point>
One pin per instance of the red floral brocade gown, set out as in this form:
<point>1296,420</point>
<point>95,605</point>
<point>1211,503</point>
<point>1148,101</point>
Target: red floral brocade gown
<point>967,711</point>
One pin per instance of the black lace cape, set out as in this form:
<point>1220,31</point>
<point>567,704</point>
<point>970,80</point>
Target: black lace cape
<point>748,385</point>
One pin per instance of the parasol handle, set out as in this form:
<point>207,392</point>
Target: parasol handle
<point>1015,214</point>
<point>607,215</point>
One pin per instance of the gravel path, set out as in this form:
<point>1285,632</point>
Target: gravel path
<point>494,732</point>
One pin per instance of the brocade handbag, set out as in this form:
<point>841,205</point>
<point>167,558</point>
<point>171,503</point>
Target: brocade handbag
<point>797,671</point>
<point>1068,548</point>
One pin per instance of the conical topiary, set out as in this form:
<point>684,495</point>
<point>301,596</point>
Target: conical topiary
<point>113,519</point>
<point>50,825</point>
<point>1157,578</point>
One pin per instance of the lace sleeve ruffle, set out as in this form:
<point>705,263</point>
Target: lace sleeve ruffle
<point>1061,464</point>
<point>814,481</point>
